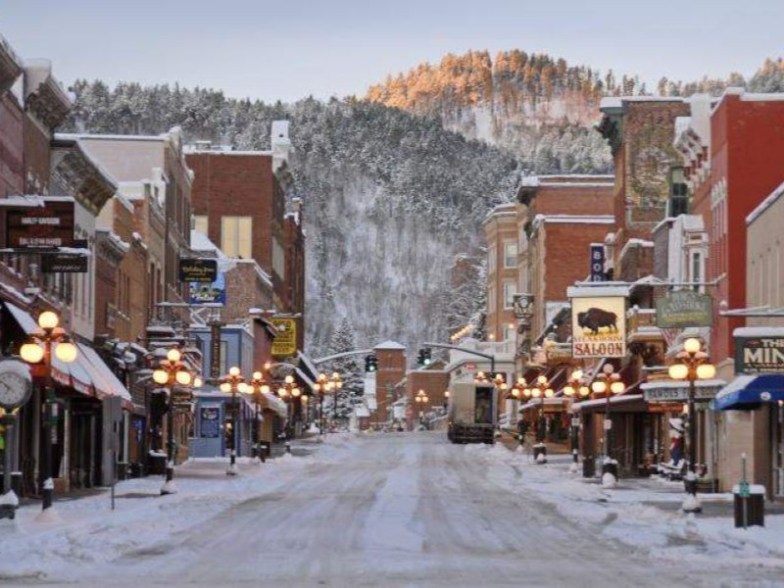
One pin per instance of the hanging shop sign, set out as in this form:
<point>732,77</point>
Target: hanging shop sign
<point>684,308</point>
<point>63,263</point>
<point>201,271</point>
<point>597,262</point>
<point>210,292</point>
<point>49,223</point>
<point>285,342</point>
<point>598,326</point>
<point>759,355</point>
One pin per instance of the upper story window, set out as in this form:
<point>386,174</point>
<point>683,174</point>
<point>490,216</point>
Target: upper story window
<point>236,232</point>
<point>510,254</point>
<point>201,223</point>
<point>510,289</point>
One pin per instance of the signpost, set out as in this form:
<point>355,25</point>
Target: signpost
<point>598,326</point>
<point>64,263</point>
<point>597,262</point>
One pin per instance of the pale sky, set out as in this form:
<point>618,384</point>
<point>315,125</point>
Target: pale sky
<point>289,50</point>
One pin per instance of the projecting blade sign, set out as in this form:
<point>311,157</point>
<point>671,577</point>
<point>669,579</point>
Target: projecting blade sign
<point>599,326</point>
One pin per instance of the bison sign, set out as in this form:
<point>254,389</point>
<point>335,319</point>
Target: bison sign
<point>598,327</point>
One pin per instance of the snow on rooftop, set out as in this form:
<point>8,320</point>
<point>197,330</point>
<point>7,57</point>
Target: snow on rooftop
<point>758,332</point>
<point>389,345</point>
<point>618,101</point>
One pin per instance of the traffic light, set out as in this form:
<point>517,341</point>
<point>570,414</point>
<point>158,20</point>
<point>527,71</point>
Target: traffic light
<point>371,363</point>
<point>424,357</point>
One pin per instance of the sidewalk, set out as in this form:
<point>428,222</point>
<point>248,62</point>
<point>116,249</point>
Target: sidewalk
<point>194,469</point>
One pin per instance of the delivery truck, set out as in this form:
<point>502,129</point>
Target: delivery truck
<point>471,415</point>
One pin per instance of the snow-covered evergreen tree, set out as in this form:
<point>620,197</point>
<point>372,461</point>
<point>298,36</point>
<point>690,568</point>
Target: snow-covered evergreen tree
<point>350,369</point>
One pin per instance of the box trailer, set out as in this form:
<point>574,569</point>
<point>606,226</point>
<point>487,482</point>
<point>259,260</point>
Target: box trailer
<point>471,416</point>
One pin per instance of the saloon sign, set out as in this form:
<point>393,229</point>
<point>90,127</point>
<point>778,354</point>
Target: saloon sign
<point>598,326</point>
<point>757,355</point>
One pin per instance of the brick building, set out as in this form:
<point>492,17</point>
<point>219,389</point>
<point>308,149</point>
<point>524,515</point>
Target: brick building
<point>500,229</point>
<point>391,370</point>
<point>559,218</point>
<point>639,130</point>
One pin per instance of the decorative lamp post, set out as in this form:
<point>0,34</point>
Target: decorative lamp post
<point>608,383</point>
<point>337,385</point>
<point>693,365</point>
<point>322,387</point>
<point>540,389</point>
<point>575,388</point>
<point>447,394</point>
<point>421,400</point>
<point>48,336</point>
<point>257,387</point>
<point>169,373</point>
<point>234,382</point>
<point>288,392</point>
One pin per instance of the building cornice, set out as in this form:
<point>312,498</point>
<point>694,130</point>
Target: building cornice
<point>75,171</point>
<point>44,97</point>
<point>110,247</point>
<point>10,66</point>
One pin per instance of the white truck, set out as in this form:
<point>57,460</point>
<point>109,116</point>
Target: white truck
<point>471,415</point>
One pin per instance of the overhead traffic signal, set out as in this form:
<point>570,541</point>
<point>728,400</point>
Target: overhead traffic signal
<point>424,358</point>
<point>371,363</point>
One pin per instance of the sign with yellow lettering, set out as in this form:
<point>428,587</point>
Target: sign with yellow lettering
<point>285,343</point>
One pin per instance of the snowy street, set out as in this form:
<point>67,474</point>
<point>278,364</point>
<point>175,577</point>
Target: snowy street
<point>404,509</point>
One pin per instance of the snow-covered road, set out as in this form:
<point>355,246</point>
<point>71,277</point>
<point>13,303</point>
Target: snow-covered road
<point>383,510</point>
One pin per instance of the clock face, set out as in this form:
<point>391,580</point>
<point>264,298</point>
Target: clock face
<point>15,384</point>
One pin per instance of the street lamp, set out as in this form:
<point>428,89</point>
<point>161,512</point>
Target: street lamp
<point>47,336</point>
<point>692,365</point>
<point>170,372</point>
<point>421,399</point>
<point>257,386</point>
<point>540,389</point>
<point>575,387</point>
<point>608,382</point>
<point>288,391</point>
<point>234,382</point>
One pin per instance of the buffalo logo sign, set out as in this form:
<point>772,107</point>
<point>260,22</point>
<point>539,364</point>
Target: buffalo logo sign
<point>599,327</point>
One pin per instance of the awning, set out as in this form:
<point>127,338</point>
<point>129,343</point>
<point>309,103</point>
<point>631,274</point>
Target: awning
<point>106,383</point>
<point>750,391</point>
<point>555,401</point>
<point>621,403</point>
<point>276,404</point>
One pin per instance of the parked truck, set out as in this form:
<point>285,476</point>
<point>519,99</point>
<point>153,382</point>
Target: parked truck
<point>471,416</point>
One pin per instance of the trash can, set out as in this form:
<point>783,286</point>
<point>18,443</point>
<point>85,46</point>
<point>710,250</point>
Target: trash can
<point>749,504</point>
<point>589,466</point>
<point>264,450</point>
<point>157,464</point>
<point>540,449</point>
<point>610,466</point>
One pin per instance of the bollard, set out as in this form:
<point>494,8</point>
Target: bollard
<point>288,447</point>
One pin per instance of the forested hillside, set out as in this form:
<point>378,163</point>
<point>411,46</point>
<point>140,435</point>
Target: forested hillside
<point>391,199</point>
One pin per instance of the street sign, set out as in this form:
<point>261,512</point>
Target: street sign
<point>598,326</point>
<point>743,490</point>
<point>684,308</point>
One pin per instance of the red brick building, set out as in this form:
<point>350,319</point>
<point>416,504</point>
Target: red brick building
<point>239,204</point>
<point>391,370</point>
<point>745,163</point>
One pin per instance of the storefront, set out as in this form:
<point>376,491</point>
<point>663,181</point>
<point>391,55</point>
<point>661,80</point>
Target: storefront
<point>754,421</point>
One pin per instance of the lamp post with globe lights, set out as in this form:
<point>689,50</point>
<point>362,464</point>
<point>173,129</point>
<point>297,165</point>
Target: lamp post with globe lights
<point>421,399</point>
<point>172,372</point>
<point>49,336</point>
<point>692,365</point>
<point>540,389</point>
<point>233,382</point>
<point>288,391</point>
<point>576,388</point>
<point>257,387</point>
<point>608,382</point>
